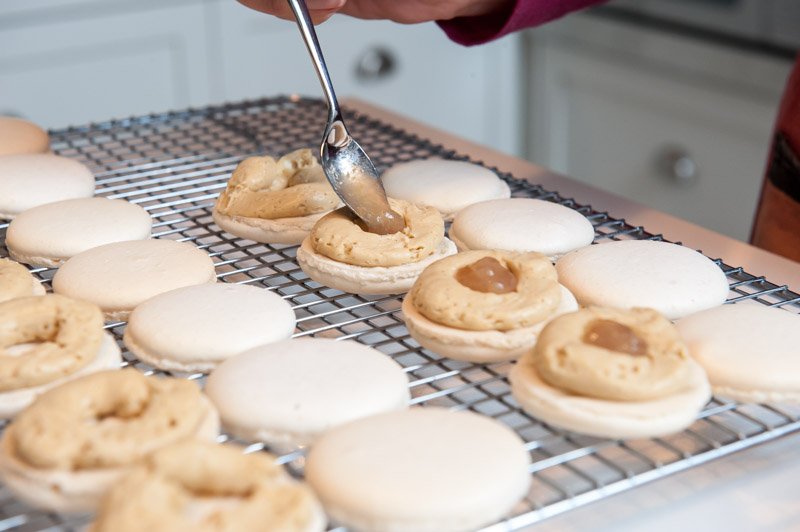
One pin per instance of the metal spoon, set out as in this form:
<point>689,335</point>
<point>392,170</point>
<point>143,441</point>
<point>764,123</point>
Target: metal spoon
<point>348,168</point>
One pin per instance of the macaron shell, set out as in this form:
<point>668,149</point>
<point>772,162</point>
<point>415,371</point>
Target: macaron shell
<point>289,231</point>
<point>27,181</point>
<point>446,185</point>
<point>108,357</point>
<point>672,279</point>
<point>423,469</point>
<point>119,276</point>
<point>478,346</point>
<point>605,418</point>
<point>81,490</point>
<point>196,327</point>
<point>365,279</point>
<point>521,224</point>
<point>293,390</point>
<point>49,234</point>
<point>750,352</point>
<point>18,136</point>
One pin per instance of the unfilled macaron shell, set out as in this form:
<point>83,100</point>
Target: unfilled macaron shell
<point>117,277</point>
<point>196,327</point>
<point>446,185</point>
<point>287,393</point>
<point>49,234</point>
<point>18,136</point>
<point>27,181</point>
<point>423,469</point>
<point>751,353</point>
<point>672,279</point>
<point>521,224</point>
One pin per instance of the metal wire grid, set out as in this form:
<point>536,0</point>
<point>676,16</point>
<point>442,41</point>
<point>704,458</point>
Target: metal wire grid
<point>175,164</point>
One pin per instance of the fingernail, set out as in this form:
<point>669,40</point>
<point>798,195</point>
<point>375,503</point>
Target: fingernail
<point>324,4</point>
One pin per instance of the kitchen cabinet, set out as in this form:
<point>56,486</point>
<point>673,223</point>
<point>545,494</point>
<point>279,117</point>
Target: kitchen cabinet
<point>474,92</point>
<point>73,61</point>
<point>677,125</point>
<point>59,71</point>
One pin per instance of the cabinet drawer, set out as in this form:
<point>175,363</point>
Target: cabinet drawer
<point>687,147</point>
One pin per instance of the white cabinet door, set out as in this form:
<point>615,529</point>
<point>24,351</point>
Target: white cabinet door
<point>681,143</point>
<point>60,72</point>
<point>72,61</point>
<point>473,92</point>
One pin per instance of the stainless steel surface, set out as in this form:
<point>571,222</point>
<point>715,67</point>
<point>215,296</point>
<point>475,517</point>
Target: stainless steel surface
<point>350,171</point>
<point>174,165</point>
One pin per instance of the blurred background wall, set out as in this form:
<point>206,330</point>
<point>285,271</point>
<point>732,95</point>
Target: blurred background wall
<point>667,102</point>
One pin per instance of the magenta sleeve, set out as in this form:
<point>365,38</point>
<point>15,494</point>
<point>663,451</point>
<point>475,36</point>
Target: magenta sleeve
<point>520,14</point>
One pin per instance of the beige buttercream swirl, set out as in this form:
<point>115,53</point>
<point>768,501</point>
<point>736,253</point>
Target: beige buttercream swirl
<point>566,358</point>
<point>339,236</point>
<point>15,280</point>
<point>62,335</point>
<point>439,296</point>
<point>262,187</point>
<point>258,493</point>
<point>106,419</point>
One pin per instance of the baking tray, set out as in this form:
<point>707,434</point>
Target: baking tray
<point>175,164</point>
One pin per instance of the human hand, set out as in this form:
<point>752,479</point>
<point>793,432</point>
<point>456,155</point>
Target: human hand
<point>405,12</point>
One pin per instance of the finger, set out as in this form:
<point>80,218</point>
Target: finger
<point>318,10</point>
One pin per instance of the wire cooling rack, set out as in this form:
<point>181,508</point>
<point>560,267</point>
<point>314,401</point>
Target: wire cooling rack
<point>175,164</point>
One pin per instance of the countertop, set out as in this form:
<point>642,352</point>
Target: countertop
<point>775,268</point>
<point>754,489</point>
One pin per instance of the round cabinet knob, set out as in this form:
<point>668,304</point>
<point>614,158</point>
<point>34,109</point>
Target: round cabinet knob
<point>376,63</point>
<point>677,164</point>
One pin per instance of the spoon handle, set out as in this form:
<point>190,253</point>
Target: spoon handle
<point>310,37</point>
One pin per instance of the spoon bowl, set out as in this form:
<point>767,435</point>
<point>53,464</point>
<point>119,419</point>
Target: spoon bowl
<point>356,180</point>
<point>348,168</point>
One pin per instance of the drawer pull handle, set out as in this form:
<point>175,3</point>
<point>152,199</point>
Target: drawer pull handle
<point>677,164</point>
<point>375,64</point>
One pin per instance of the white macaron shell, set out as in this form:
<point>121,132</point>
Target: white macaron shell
<point>62,229</point>
<point>208,323</point>
<point>446,185</point>
<point>424,469</point>
<point>30,180</point>
<point>293,390</point>
<point>521,224</point>
<point>672,279</point>
<point>750,352</point>
<point>119,276</point>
